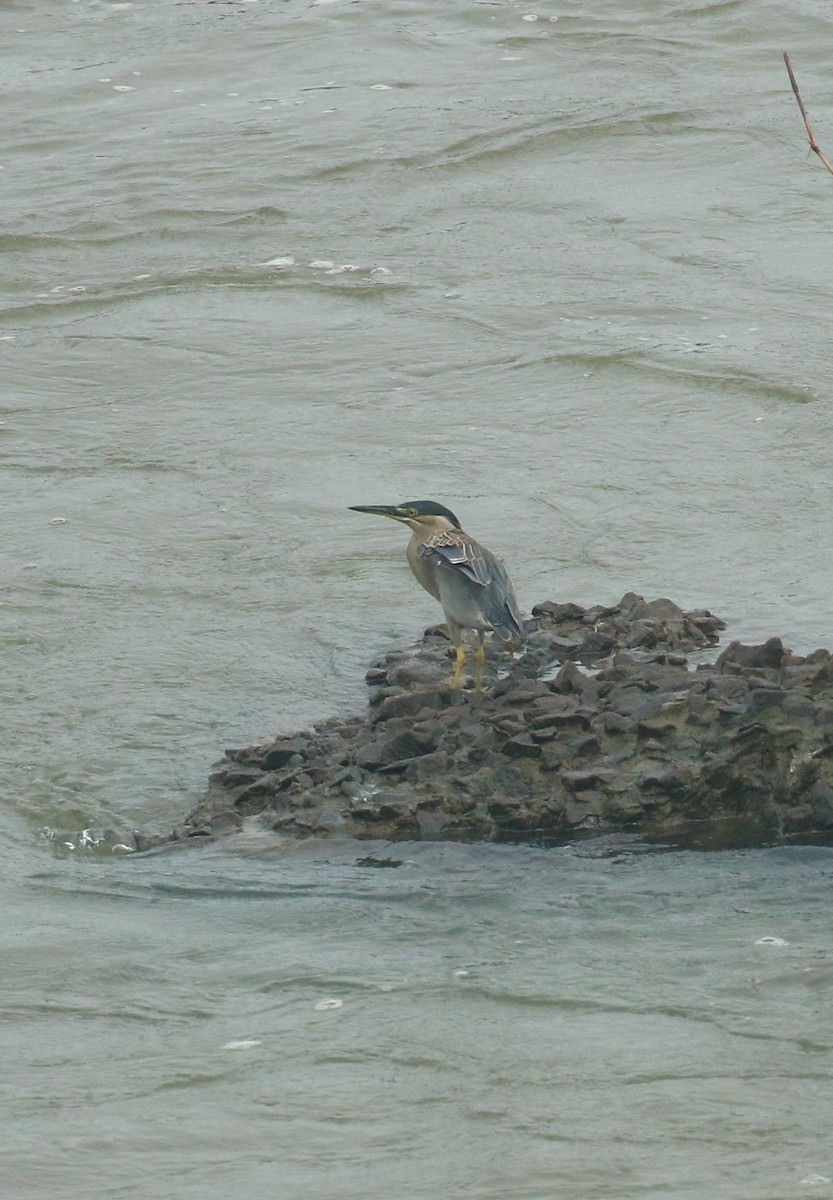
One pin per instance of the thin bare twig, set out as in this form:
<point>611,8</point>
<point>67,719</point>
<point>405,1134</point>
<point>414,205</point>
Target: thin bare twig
<point>814,146</point>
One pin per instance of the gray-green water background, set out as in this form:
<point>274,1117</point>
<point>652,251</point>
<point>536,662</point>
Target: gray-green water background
<point>565,268</point>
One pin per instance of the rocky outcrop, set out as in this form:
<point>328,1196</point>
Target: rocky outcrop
<point>610,720</point>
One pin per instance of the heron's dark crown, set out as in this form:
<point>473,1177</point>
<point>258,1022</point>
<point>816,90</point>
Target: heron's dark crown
<point>430,508</point>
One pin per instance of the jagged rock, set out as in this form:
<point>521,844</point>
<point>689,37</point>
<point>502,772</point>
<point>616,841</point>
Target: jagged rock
<point>600,726</point>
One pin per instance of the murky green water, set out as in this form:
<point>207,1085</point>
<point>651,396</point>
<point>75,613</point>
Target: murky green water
<point>264,260</point>
<point>481,1022</point>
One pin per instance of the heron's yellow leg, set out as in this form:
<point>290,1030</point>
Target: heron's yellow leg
<point>479,658</point>
<point>458,670</point>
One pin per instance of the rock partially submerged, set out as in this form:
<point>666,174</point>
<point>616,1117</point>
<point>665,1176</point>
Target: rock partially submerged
<point>609,721</point>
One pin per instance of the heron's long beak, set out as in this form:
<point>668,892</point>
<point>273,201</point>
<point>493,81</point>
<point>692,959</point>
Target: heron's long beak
<point>380,510</point>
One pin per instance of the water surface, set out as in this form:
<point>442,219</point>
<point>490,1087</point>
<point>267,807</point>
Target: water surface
<point>261,261</point>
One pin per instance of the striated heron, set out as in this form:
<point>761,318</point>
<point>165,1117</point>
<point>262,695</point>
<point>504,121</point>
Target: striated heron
<point>469,582</point>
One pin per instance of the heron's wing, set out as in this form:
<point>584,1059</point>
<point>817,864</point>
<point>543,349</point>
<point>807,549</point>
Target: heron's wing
<point>458,552</point>
<point>505,615</point>
<point>500,605</point>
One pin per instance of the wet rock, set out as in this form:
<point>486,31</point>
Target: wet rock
<point>513,694</point>
<point>566,647</point>
<point>231,775</point>
<point>613,722</point>
<point>559,612</point>
<point>522,745</point>
<point>370,860</point>
<point>143,842</point>
<point>667,782</point>
<point>225,822</point>
<point>388,750</point>
<point>410,704</point>
<point>584,810</point>
<point>598,728</point>
<point>597,644</point>
<point>656,729</point>
<point>283,753</point>
<point>434,766</point>
<point>418,672</point>
<point>770,654</point>
<point>570,718</point>
<point>569,680</point>
<point>593,777</point>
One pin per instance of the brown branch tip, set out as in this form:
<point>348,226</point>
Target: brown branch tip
<point>814,146</point>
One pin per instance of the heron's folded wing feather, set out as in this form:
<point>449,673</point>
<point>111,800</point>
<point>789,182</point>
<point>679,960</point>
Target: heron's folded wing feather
<point>458,552</point>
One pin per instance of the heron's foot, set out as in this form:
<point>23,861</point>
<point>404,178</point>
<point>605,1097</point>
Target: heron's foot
<point>458,670</point>
<point>479,658</point>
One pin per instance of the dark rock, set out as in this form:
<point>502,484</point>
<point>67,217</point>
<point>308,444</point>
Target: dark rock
<point>584,747</point>
<point>822,675</point>
<point>770,654</point>
<point>506,723</point>
<point>764,700</point>
<point>566,647</point>
<point>370,861</point>
<point>655,729</point>
<point>579,781</point>
<point>707,622</point>
<point>257,794</point>
<point>597,613</point>
<point>643,634</point>
<point>144,842</point>
<point>559,612</point>
<point>282,753</point>
<point>523,745</point>
<point>634,702</point>
<point>544,733</point>
<point>235,776</point>
<point>510,781</point>
<point>408,704</point>
<point>621,736</point>
<point>584,809</point>
<point>525,693</point>
<point>405,745</point>
<point>614,722</point>
<point>728,687</point>
<point>434,766</point>
<point>569,680</point>
<point>371,756</point>
<point>667,782</point>
<point>225,822</point>
<point>799,708</point>
<point>569,718</point>
<point>418,672</point>
<point>664,611</point>
<point>597,645</point>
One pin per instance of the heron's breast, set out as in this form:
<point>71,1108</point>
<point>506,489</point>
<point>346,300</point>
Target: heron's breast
<point>422,569</point>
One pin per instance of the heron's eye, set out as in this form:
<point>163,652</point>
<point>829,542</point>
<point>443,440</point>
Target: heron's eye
<point>411,512</point>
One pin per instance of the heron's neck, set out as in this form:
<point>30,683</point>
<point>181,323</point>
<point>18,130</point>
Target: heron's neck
<point>423,531</point>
